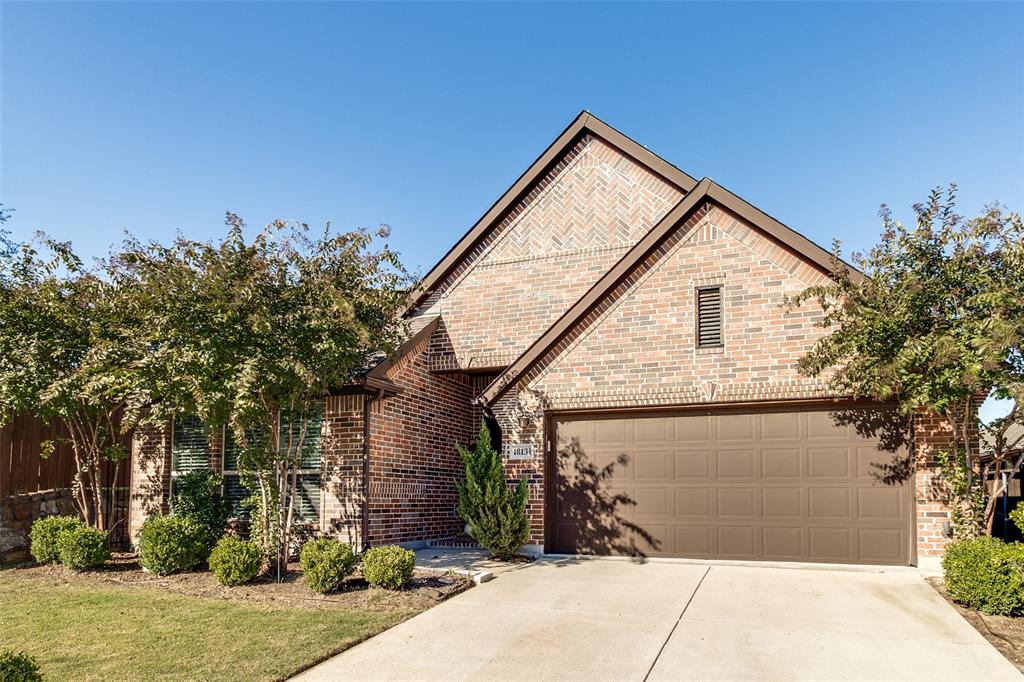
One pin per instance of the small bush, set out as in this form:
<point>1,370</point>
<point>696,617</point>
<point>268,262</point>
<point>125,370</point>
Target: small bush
<point>987,574</point>
<point>495,513</point>
<point>388,567</point>
<point>1017,516</point>
<point>197,495</point>
<point>18,667</point>
<point>235,561</point>
<point>44,536</point>
<point>82,548</point>
<point>170,544</point>
<point>325,563</point>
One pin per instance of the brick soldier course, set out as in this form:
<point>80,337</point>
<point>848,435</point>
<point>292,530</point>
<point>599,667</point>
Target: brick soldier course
<point>574,293</point>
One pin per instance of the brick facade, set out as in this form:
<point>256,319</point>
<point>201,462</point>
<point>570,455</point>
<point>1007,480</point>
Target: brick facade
<point>637,349</point>
<point>572,226</point>
<point>151,475</point>
<point>932,497</point>
<point>414,463</point>
<point>341,461</point>
<point>580,216</point>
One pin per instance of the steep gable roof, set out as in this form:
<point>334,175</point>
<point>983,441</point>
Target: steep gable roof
<point>705,191</point>
<point>585,123</point>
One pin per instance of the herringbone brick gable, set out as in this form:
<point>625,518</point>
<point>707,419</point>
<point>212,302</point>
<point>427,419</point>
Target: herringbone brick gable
<point>580,218</point>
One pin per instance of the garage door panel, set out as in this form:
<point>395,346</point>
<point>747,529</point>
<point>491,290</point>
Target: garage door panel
<point>880,545</point>
<point>654,430</point>
<point>693,428</point>
<point>879,503</point>
<point>656,502</point>
<point>736,502</point>
<point>694,502</point>
<point>781,463</point>
<point>735,463</point>
<point>822,424</point>
<point>617,466</point>
<point>653,465</point>
<point>779,503</point>
<point>783,543</point>
<point>780,426</point>
<point>830,544</point>
<point>828,462</point>
<point>690,464</point>
<point>737,542</point>
<point>888,468</point>
<point>800,484</point>
<point>694,541</point>
<point>828,503</point>
<point>612,431</point>
<point>735,426</point>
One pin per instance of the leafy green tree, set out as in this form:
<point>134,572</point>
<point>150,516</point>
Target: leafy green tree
<point>197,495</point>
<point>936,324</point>
<point>68,342</point>
<point>495,513</point>
<point>254,334</point>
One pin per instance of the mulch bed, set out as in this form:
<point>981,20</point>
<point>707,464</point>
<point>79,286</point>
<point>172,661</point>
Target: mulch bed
<point>124,571</point>
<point>1005,633</point>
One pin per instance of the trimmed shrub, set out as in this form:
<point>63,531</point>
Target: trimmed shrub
<point>235,561</point>
<point>18,667</point>
<point>325,563</point>
<point>82,548</point>
<point>389,567</point>
<point>1017,516</point>
<point>170,544</point>
<point>495,513</point>
<point>44,536</point>
<point>197,495</point>
<point>986,574</point>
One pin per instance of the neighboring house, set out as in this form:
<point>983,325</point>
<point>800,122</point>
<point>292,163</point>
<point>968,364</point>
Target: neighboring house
<point>626,327</point>
<point>1002,525</point>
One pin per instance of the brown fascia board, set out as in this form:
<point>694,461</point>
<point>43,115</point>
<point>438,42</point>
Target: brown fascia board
<point>379,373</point>
<point>706,190</point>
<point>583,123</point>
<point>784,234</point>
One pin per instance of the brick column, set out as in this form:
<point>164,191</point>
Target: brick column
<point>342,469</point>
<point>931,434</point>
<point>151,474</point>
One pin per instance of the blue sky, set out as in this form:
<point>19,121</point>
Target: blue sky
<point>154,117</point>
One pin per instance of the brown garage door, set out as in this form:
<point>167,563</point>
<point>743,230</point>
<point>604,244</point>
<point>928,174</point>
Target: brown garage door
<point>797,484</point>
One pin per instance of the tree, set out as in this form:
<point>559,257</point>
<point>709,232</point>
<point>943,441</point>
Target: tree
<point>495,513</point>
<point>936,324</point>
<point>254,335</point>
<point>68,342</point>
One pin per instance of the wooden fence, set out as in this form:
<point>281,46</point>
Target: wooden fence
<point>23,469</point>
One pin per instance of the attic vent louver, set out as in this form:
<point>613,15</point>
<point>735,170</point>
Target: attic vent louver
<point>709,317</point>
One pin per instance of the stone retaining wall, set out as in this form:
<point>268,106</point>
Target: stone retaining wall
<point>18,512</point>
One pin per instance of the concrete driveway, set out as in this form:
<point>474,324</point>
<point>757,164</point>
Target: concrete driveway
<point>618,620</point>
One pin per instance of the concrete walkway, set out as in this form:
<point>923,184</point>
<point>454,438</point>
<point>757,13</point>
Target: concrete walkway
<point>661,620</point>
<point>470,561</point>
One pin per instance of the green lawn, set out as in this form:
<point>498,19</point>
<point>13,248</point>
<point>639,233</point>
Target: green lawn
<point>84,631</point>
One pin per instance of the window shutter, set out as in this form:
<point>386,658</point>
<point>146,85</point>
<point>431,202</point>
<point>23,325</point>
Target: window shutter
<point>311,445</point>
<point>234,493</point>
<point>709,317</point>
<point>307,489</point>
<point>190,445</point>
<point>307,498</point>
<point>232,449</point>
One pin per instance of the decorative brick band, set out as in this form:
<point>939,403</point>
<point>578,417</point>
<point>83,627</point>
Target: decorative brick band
<point>572,253</point>
<point>688,395</point>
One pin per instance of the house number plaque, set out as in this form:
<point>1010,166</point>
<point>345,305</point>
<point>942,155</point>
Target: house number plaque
<point>518,451</point>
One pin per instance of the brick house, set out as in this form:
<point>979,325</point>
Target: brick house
<point>624,326</point>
